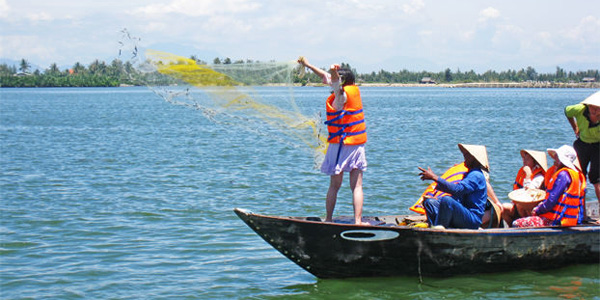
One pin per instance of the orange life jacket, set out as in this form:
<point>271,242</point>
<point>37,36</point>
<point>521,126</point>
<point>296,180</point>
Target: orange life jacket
<point>455,174</point>
<point>347,126</point>
<point>569,209</point>
<point>521,176</point>
<point>549,174</point>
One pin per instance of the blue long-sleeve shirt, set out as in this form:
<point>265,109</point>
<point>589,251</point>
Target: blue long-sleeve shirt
<point>471,191</point>
<point>562,182</point>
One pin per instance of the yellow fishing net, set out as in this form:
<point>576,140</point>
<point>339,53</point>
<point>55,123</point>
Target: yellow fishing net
<point>235,94</point>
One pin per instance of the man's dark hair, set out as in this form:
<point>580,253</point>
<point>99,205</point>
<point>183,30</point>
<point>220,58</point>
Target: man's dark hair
<point>347,76</point>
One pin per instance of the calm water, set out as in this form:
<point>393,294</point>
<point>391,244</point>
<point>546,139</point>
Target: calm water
<point>113,193</point>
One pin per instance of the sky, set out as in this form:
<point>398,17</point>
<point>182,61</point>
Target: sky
<point>370,35</point>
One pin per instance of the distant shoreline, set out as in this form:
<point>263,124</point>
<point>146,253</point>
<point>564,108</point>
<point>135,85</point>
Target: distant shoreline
<point>491,85</point>
<point>516,85</point>
<point>560,85</point>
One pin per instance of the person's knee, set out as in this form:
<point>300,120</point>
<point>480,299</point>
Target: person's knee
<point>336,180</point>
<point>356,189</point>
<point>446,203</point>
<point>428,202</point>
<point>431,205</point>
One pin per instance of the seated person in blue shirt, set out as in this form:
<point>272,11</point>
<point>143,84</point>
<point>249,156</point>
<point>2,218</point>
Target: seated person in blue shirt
<point>466,206</point>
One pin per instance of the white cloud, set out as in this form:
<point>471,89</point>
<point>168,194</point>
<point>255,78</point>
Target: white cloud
<point>363,33</point>
<point>413,7</point>
<point>41,16</point>
<point>26,46</point>
<point>199,8</point>
<point>467,35</point>
<point>586,33</point>
<point>488,14</point>
<point>425,33</point>
<point>4,9</point>
<point>511,39</point>
<point>156,27</point>
<point>544,39</point>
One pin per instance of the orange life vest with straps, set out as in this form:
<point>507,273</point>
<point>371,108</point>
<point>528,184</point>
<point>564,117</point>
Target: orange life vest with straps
<point>569,209</point>
<point>455,174</point>
<point>521,176</point>
<point>549,174</point>
<point>347,126</point>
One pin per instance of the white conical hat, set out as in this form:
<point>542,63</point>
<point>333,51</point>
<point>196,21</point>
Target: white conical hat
<point>594,99</point>
<point>479,152</point>
<point>539,157</point>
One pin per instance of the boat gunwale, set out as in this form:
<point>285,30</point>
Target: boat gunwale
<point>554,230</point>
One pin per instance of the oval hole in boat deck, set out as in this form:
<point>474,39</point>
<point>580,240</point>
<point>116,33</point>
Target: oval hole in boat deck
<point>369,235</point>
<point>359,235</point>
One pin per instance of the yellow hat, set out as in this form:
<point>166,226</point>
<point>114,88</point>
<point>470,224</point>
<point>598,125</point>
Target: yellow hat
<point>478,152</point>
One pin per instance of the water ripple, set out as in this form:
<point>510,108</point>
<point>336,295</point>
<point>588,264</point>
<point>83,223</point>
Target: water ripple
<point>112,193</point>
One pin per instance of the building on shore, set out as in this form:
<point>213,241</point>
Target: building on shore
<point>427,80</point>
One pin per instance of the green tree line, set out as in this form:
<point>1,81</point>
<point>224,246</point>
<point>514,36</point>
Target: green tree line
<point>449,76</point>
<point>454,77</point>
<point>100,74</point>
<point>97,74</point>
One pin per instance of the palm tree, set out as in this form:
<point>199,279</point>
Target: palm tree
<point>116,68</point>
<point>78,68</point>
<point>24,66</point>
<point>94,66</point>
<point>53,70</point>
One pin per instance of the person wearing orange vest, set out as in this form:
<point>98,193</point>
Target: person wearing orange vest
<point>453,175</point>
<point>565,196</point>
<point>347,137</point>
<point>549,173</point>
<point>529,176</point>
<point>465,206</point>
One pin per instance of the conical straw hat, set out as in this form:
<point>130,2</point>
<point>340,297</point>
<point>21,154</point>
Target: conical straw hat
<point>478,152</point>
<point>594,99</point>
<point>539,157</point>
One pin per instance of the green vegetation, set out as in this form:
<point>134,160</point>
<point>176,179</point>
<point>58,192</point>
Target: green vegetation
<point>100,74</point>
<point>448,76</point>
<point>456,77</point>
<point>97,74</point>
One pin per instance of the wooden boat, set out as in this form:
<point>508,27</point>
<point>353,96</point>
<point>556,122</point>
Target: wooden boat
<point>385,248</point>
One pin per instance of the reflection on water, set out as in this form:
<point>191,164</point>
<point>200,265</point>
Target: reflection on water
<point>576,282</point>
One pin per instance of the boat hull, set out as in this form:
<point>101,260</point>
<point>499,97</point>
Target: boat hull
<point>333,250</point>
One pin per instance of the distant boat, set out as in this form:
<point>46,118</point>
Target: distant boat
<point>384,248</point>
